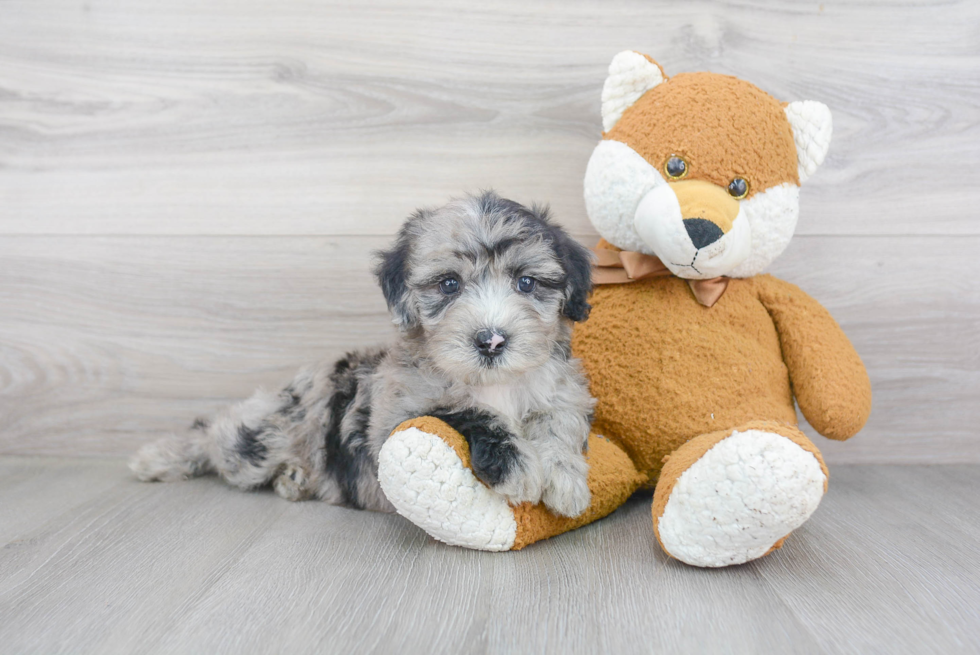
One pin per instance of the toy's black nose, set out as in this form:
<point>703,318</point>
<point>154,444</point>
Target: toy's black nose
<point>702,232</point>
<point>490,343</point>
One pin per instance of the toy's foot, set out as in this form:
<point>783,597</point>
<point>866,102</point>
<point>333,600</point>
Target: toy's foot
<point>429,483</point>
<point>731,497</point>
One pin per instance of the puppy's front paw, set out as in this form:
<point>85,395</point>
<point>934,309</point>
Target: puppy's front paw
<point>567,492</point>
<point>507,471</point>
<point>520,488</point>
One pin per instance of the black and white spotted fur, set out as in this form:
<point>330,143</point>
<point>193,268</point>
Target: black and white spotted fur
<point>525,411</point>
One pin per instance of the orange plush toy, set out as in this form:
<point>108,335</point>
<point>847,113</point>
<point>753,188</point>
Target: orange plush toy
<point>694,354</point>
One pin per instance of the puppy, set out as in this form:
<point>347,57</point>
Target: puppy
<point>484,292</point>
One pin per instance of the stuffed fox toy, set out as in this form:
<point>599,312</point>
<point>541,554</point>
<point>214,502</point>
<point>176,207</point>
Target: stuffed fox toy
<point>695,355</point>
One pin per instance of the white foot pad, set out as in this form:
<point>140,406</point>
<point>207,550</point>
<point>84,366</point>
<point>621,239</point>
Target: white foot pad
<point>746,493</point>
<point>427,483</point>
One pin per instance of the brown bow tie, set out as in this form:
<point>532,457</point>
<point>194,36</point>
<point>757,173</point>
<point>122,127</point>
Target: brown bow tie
<point>622,266</point>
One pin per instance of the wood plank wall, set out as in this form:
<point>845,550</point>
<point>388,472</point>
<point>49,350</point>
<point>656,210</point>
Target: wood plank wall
<point>190,191</point>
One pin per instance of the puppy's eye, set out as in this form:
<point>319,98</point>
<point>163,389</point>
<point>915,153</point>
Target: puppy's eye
<point>738,188</point>
<point>449,286</point>
<point>675,168</point>
<point>525,284</point>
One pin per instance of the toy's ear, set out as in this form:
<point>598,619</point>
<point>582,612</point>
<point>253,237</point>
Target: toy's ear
<point>812,126</point>
<point>630,76</point>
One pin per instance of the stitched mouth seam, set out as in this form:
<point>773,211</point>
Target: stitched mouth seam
<point>691,265</point>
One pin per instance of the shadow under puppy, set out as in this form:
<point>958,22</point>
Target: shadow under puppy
<point>484,292</point>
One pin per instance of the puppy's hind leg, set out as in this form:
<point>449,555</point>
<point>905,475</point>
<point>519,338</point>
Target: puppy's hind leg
<point>251,444</point>
<point>293,483</point>
<point>176,457</point>
<point>246,445</point>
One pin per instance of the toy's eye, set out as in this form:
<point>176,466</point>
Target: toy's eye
<point>738,188</point>
<point>525,284</point>
<point>675,168</point>
<point>449,286</point>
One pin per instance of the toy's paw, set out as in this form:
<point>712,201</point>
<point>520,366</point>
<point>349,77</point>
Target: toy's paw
<point>291,483</point>
<point>427,482</point>
<point>739,499</point>
<point>567,492</point>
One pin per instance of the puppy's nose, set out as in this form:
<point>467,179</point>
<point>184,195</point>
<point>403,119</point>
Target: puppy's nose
<point>490,343</point>
<point>702,232</point>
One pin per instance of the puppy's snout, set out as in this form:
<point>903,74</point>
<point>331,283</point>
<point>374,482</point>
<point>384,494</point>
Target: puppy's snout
<point>490,343</point>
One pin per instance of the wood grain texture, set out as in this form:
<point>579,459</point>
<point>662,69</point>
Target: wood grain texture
<point>921,585</point>
<point>108,341</point>
<point>55,487</point>
<point>111,341</point>
<point>189,193</point>
<point>181,117</point>
<point>889,563</point>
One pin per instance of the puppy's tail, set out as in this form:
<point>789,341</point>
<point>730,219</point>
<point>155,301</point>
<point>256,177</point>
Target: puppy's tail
<point>177,457</point>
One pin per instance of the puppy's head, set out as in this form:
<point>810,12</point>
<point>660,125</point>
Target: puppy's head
<point>488,287</point>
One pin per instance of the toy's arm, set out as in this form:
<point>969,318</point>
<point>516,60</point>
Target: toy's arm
<point>829,381</point>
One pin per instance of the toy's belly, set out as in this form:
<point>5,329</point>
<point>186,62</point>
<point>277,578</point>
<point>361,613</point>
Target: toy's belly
<point>666,369</point>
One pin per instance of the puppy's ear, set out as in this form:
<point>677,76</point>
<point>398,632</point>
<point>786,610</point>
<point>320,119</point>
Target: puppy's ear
<point>578,267</point>
<point>577,262</point>
<point>392,272</point>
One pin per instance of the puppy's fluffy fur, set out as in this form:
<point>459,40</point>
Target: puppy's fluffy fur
<point>484,291</point>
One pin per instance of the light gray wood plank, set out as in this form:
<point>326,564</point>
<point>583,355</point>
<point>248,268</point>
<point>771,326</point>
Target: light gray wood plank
<point>197,567</point>
<point>889,563</point>
<point>109,572</point>
<point>115,340</point>
<point>107,342</point>
<point>37,490</point>
<point>334,118</point>
<point>598,590</point>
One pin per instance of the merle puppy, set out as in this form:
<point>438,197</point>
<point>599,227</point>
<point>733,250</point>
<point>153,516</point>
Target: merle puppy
<point>484,292</point>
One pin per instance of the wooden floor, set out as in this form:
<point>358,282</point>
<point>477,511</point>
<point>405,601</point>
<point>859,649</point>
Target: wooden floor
<point>95,562</point>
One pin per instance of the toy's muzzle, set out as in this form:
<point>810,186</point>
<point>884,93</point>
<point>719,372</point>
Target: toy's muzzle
<point>694,227</point>
<point>708,210</point>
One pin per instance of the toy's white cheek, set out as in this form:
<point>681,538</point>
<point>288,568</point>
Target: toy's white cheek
<point>772,215</point>
<point>616,178</point>
<point>659,223</point>
<point>737,245</point>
